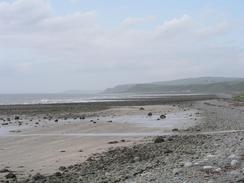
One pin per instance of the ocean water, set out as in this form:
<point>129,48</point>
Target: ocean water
<point>51,98</point>
<point>6,99</point>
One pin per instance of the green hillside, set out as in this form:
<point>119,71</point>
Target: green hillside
<point>192,85</point>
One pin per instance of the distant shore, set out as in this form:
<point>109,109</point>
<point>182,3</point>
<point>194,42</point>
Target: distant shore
<point>95,106</point>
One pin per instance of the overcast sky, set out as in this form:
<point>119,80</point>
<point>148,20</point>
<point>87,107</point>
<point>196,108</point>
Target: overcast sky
<point>57,45</point>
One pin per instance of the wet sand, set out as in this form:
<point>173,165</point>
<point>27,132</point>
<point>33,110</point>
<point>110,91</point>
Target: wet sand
<point>41,138</point>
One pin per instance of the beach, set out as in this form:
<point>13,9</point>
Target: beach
<point>169,139</point>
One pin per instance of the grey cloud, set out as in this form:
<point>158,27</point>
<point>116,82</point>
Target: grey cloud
<point>61,51</point>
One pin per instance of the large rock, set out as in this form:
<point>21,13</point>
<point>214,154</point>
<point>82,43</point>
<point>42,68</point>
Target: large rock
<point>159,139</point>
<point>38,176</point>
<point>10,175</point>
<point>149,114</point>
<point>162,116</point>
<point>4,170</point>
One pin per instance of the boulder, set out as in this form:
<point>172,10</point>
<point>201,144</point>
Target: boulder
<point>113,142</point>
<point>82,117</point>
<point>16,118</point>
<point>58,174</point>
<point>162,116</point>
<point>38,176</point>
<point>62,168</point>
<point>4,170</point>
<point>149,114</point>
<point>159,139</point>
<point>10,175</point>
<point>168,151</point>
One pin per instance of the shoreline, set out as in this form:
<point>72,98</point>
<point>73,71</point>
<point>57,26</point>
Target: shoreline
<point>185,144</point>
<point>74,110</point>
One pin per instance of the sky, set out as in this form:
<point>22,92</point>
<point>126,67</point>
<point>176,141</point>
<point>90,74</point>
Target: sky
<point>58,45</point>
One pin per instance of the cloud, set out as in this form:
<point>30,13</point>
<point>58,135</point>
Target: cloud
<point>23,12</point>
<point>215,30</point>
<point>132,21</point>
<point>75,1</point>
<point>74,50</point>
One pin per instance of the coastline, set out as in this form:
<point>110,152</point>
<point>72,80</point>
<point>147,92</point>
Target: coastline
<point>144,156</point>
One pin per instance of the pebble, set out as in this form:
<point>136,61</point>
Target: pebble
<point>187,164</point>
<point>232,156</point>
<point>211,156</point>
<point>207,167</point>
<point>218,170</point>
<point>136,159</point>
<point>176,171</point>
<point>234,163</point>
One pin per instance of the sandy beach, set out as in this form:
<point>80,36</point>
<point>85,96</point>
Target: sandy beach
<point>46,139</point>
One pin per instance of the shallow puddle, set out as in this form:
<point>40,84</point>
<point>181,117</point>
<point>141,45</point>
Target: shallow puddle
<point>173,120</point>
<point>155,125</point>
<point>4,130</point>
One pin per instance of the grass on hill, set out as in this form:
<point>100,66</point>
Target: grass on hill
<point>239,97</point>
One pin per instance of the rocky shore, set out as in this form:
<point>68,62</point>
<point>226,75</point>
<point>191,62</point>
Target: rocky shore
<point>193,155</point>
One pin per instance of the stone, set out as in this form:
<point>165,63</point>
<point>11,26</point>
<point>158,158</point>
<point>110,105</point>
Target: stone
<point>187,164</point>
<point>58,174</point>
<point>175,130</point>
<point>177,171</point>
<point>38,176</point>
<point>207,167</point>
<point>4,170</point>
<point>16,118</point>
<point>234,163</point>
<point>217,170</point>
<point>62,168</point>
<point>167,151</point>
<point>211,156</point>
<point>10,175</point>
<point>232,156</point>
<point>211,181</point>
<point>149,114</point>
<point>159,139</point>
<point>113,142</point>
<point>136,159</point>
<point>141,109</point>
<point>162,116</point>
<point>82,117</point>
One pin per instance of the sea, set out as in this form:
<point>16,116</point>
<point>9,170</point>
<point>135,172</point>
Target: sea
<point>12,99</point>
